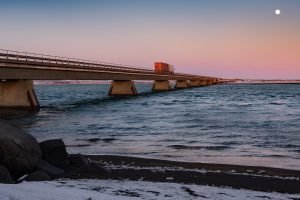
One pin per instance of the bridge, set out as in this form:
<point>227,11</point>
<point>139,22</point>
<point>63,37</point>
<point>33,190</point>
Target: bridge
<point>19,69</point>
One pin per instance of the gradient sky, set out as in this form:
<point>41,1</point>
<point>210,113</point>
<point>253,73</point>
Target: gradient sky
<point>225,38</point>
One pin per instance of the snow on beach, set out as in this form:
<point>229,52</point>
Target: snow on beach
<point>116,190</point>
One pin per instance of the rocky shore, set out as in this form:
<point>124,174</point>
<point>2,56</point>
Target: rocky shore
<point>22,158</point>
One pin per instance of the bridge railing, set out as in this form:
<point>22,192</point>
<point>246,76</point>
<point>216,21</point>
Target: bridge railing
<point>18,56</point>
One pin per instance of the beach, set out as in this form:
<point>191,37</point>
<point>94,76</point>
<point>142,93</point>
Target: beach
<point>234,176</point>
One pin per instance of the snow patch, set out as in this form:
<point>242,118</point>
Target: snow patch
<point>116,190</point>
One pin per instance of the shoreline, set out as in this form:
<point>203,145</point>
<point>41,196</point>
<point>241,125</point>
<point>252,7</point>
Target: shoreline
<point>266,83</point>
<point>263,179</point>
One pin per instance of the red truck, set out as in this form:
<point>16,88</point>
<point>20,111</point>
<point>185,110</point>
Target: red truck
<point>163,68</point>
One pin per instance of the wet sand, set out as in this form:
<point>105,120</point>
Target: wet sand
<point>222,175</point>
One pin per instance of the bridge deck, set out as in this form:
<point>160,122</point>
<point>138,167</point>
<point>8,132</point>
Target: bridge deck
<point>28,66</point>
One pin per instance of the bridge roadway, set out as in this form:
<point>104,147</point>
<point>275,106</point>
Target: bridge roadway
<point>19,69</point>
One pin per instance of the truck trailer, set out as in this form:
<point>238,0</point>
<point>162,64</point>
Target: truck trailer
<point>163,68</point>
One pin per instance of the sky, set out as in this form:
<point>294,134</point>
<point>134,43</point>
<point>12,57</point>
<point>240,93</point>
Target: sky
<point>223,38</point>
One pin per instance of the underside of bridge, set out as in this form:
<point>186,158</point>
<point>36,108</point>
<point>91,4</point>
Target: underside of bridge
<point>20,93</point>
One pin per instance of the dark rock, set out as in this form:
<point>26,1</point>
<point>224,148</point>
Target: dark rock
<point>5,176</point>
<point>77,160</point>
<point>51,170</point>
<point>38,176</point>
<point>54,152</point>
<point>19,151</point>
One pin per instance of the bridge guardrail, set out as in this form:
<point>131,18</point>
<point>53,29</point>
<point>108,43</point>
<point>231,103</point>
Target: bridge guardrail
<point>42,58</point>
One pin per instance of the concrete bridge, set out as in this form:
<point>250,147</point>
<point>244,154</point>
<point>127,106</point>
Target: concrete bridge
<point>19,69</point>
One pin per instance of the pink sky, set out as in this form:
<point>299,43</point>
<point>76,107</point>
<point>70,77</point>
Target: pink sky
<point>221,40</point>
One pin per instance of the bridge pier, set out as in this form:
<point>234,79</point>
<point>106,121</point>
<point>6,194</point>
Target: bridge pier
<point>203,83</point>
<point>181,84</point>
<point>210,82</point>
<point>194,83</point>
<point>159,86</point>
<point>120,88</point>
<point>18,94</point>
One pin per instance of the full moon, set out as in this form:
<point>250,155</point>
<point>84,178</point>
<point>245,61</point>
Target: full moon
<point>277,12</point>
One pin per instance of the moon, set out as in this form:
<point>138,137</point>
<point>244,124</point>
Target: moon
<point>277,12</point>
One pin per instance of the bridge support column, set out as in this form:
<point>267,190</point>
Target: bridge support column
<point>159,86</point>
<point>122,88</point>
<point>210,82</point>
<point>203,83</point>
<point>194,83</point>
<point>18,94</point>
<point>181,84</point>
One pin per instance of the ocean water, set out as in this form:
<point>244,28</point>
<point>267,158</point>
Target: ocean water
<point>235,124</point>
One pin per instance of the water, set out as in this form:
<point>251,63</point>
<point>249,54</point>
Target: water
<point>235,124</point>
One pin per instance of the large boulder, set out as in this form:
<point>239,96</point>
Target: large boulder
<point>38,175</point>
<point>5,176</point>
<point>54,152</point>
<point>19,151</point>
<point>51,170</point>
<point>78,160</point>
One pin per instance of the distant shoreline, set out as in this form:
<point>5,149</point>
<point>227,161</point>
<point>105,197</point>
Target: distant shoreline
<point>268,82</point>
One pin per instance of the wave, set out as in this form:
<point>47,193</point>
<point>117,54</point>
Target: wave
<point>211,148</point>
<point>95,140</point>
